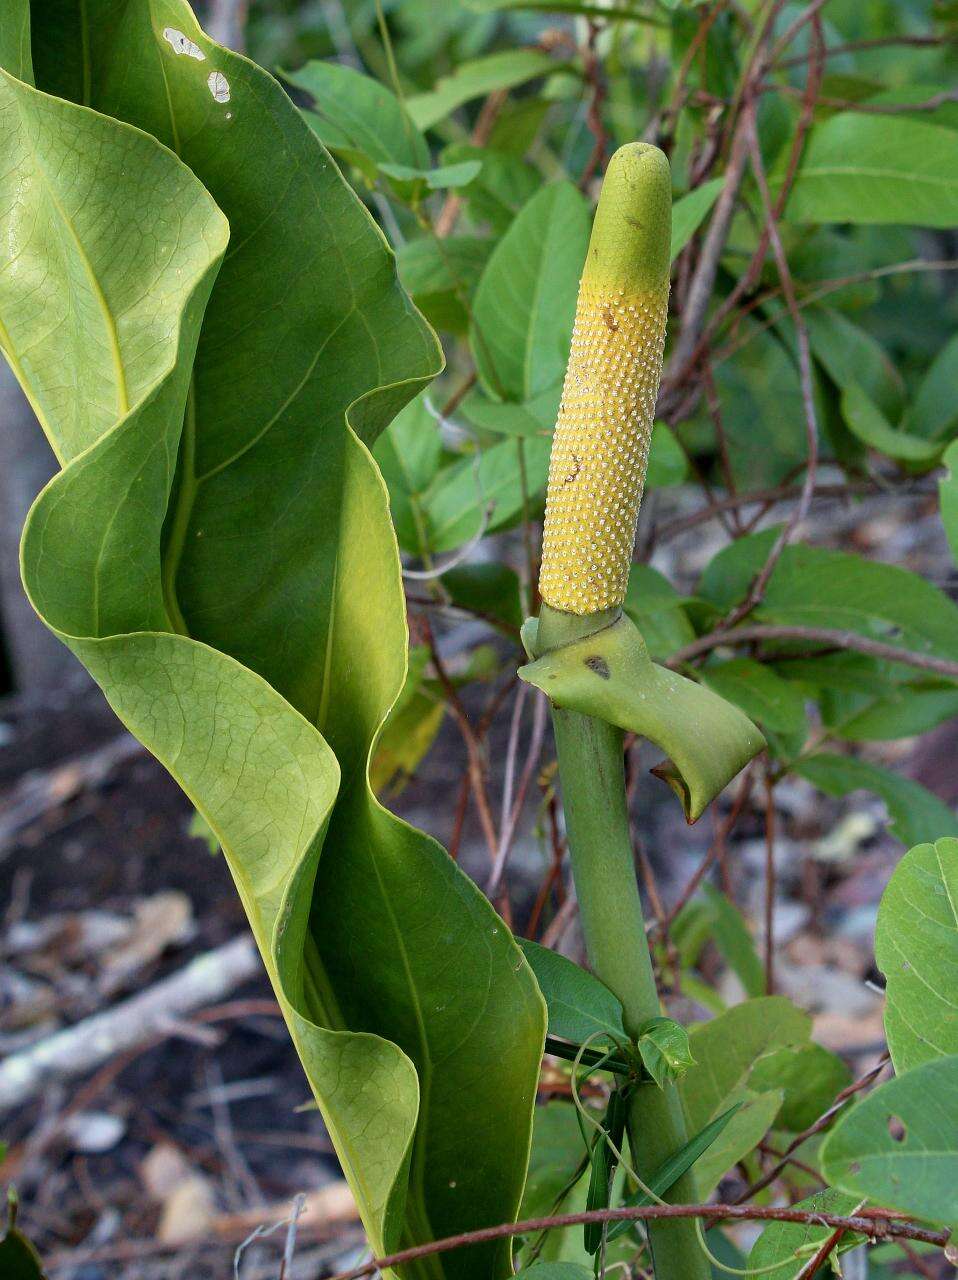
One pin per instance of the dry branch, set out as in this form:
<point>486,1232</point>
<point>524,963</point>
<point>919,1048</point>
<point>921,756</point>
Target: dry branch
<point>84,1047</point>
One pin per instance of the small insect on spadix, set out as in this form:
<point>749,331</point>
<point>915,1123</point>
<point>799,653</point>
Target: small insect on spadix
<point>601,444</point>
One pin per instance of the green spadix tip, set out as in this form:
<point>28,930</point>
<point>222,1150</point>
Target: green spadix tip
<point>631,240</point>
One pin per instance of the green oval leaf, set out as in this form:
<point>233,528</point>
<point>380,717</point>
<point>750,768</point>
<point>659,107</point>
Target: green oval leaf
<point>525,303</point>
<point>899,1147</point>
<point>869,168</point>
<point>476,78</point>
<point>948,491</point>
<point>916,813</point>
<point>580,1006</point>
<point>870,425</point>
<point>358,118</point>
<point>916,947</point>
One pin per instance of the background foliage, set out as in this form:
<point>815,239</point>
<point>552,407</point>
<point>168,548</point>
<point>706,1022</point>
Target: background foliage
<point>811,359</point>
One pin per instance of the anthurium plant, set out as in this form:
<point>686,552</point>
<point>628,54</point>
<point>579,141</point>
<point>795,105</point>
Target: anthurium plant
<point>213,332</point>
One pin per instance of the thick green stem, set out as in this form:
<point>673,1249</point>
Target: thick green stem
<point>597,822</point>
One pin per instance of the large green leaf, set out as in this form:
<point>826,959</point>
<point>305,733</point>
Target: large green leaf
<point>525,303</point>
<point>237,592</point>
<point>725,1050</point>
<point>555,1271</point>
<point>916,947</point>
<point>501,188</point>
<point>762,695</point>
<point>442,274</point>
<point>657,610</point>
<point>916,813</point>
<point>484,491</point>
<point>762,409</point>
<point>899,1147</point>
<point>713,915</point>
<point>409,452</point>
<point>811,1077</point>
<point>869,168</point>
<point>558,1160</point>
<point>535,417</point>
<point>892,708</point>
<point>15,51</point>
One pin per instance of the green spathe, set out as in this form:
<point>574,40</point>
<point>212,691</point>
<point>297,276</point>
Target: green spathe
<point>608,673</point>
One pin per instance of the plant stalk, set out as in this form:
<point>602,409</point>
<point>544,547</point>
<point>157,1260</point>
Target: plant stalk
<point>592,775</point>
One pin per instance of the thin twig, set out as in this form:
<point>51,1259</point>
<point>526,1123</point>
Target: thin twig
<point>702,286</point>
<point>512,807</point>
<point>865,46</point>
<point>594,78</point>
<point>788,35</point>
<point>136,1021</point>
<point>560,922</point>
<point>226,23</point>
<point>833,638</point>
<point>769,884</point>
<point>688,347</point>
<point>459,817</point>
<point>871,108</point>
<point>240,1180</point>
<point>474,755</point>
<point>780,493</point>
<point>921,1265</point>
<point>912,266</point>
<point>706,22</point>
<point>553,878</point>
<point>738,804</point>
<point>805,379</point>
<point>822,1123</point>
<point>448,215</point>
<point>878,1227</point>
<point>829,1245</point>
<point>750,278</point>
<point>262,1231</point>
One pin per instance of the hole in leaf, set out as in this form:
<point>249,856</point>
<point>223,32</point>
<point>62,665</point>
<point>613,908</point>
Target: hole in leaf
<point>896,1129</point>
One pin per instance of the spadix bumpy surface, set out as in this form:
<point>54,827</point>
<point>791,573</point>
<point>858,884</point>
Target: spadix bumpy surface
<point>601,444</point>
<point>217,550</point>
